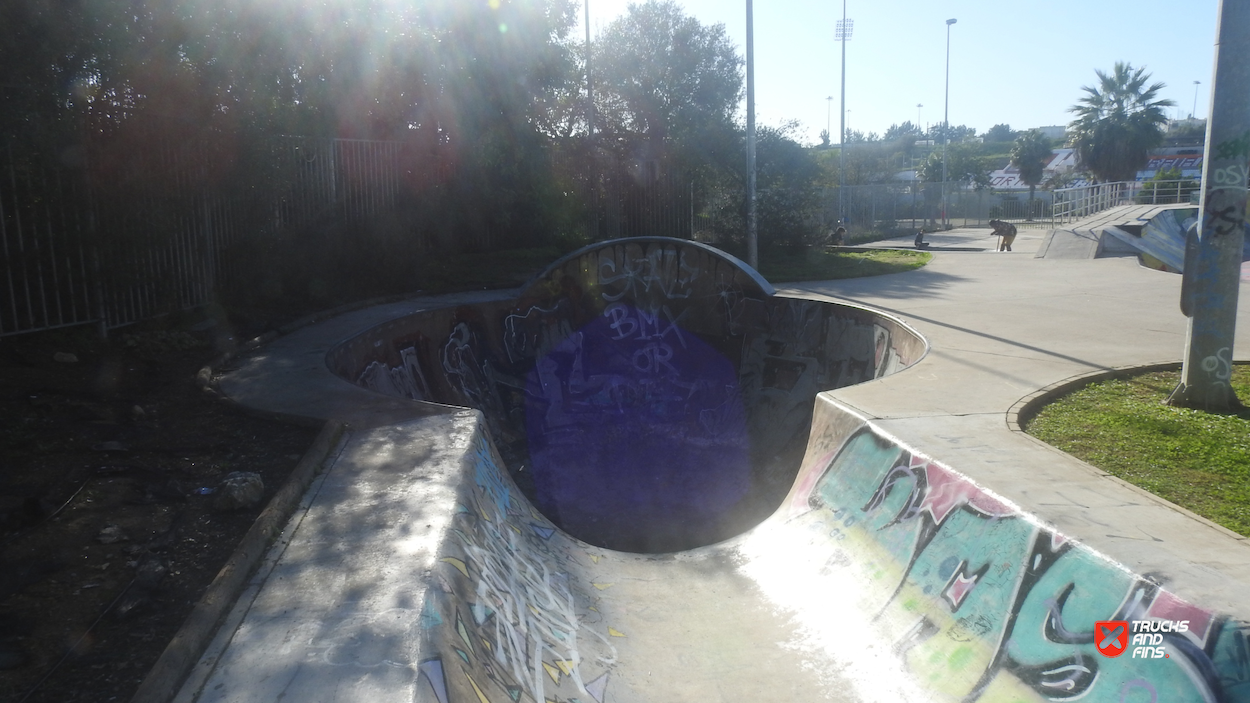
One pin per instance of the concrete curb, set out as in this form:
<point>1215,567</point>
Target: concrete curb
<point>204,378</point>
<point>1027,407</point>
<point>1030,405</point>
<point>166,676</point>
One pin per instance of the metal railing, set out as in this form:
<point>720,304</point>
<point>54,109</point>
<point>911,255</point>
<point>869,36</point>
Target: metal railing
<point>128,236</point>
<point>1071,204</point>
<point>50,274</point>
<point>1184,191</point>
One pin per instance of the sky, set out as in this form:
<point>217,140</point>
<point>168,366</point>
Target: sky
<point>1021,64</point>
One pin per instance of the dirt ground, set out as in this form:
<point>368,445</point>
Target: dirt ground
<point>108,532</point>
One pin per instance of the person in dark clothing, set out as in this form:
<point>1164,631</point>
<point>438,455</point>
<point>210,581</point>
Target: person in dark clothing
<point>1006,231</point>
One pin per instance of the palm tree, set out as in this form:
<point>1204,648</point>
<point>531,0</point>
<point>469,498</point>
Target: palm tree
<point>1117,122</point>
<point>1030,154</point>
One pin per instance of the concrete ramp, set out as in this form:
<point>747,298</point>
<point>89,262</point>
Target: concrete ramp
<point>883,576</point>
<point>648,394</point>
<point>1161,241</point>
<point>419,569</point>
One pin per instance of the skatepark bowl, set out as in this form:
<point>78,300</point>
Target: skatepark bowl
<point>656,503</point>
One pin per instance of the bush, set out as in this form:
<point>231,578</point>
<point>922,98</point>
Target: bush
<point>1166,188</point>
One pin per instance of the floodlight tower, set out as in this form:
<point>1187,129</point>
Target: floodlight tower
<point>753,256</point>
<point>842,34</point>
<point>946,120</point>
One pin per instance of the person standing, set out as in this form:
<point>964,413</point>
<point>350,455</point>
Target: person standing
<point>1006,233</point>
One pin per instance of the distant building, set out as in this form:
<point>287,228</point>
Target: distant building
<point>1054,131</point>
<point>1186,159</point>
<point>1186,125</point>
<point>1062,161</point>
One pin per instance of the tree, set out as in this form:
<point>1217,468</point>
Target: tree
<point>824,139</point>
<point>963,166</point>
<point>788,181</point>
<point>999,133</point>
<point>787,176</point>
<point>1166,187</point>
<point>899,131</point>
<point>1030,154</point>
<point>666,80</point>
<point>957,133</point>
<point>1117,122</point>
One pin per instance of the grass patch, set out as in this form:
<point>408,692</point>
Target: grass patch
<point>1196,459</point>
<point>820,265</point>
<point>514,267</point>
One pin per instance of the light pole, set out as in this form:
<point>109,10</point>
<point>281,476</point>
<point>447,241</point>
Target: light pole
<point>1194,112</point>
<point>829,118</point>
<point>918,106</point>
<point>842,34</point>
<point>753,251</point>
<point>590,92</point>
<point>946,124</point>
<point>590,134</point>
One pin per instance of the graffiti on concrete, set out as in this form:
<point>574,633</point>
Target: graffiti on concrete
<point>507,619</point>
<point>637,434</point>
<point>662,270</point>
<point>1224,209</point>
<point>1236,148</point>
<point>645,361</point>
<point>1006,605</point>
<point>406,380</point>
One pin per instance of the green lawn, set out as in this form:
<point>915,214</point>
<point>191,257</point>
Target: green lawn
<point>820,265</point>
<point>1198,460</point>
<point>511,268</point>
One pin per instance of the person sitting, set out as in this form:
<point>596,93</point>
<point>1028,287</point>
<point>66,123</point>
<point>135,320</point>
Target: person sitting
<point>839,236</point>
<point>920,242</point>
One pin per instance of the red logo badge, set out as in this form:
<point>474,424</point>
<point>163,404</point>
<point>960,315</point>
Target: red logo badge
<point>1111,637</point>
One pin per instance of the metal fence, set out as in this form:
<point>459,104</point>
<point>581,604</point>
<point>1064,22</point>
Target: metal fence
<point>627,198</point>
<point>50,273</point>
<point>886,207</point>
<point>127,236</point>
<point>912,206</point>
<point>351,178</point>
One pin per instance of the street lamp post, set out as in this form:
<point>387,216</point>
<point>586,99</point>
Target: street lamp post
<point>590,134</point>
<point>829,118</point>
<point>918,106</point>
<point>843,34</point>
<point>1194,112</point>
<point>753,251</point>
<point>946,124</point>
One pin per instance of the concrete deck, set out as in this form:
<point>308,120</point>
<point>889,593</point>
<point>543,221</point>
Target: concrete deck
<point>712,624</point>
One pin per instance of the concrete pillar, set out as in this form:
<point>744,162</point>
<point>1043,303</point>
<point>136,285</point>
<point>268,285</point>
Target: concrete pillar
<point>1213,255</point>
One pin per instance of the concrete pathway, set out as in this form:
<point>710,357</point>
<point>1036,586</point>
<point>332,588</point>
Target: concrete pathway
<point>1004,325</point>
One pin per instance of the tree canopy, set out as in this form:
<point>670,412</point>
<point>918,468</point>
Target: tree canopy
<point>1117,122</point>
<point>999,133</point>
<point>663,78</point>
<point>1030,153</point>
<point>899,131</point>
<point>361,68</point>
<point>963,164</point>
